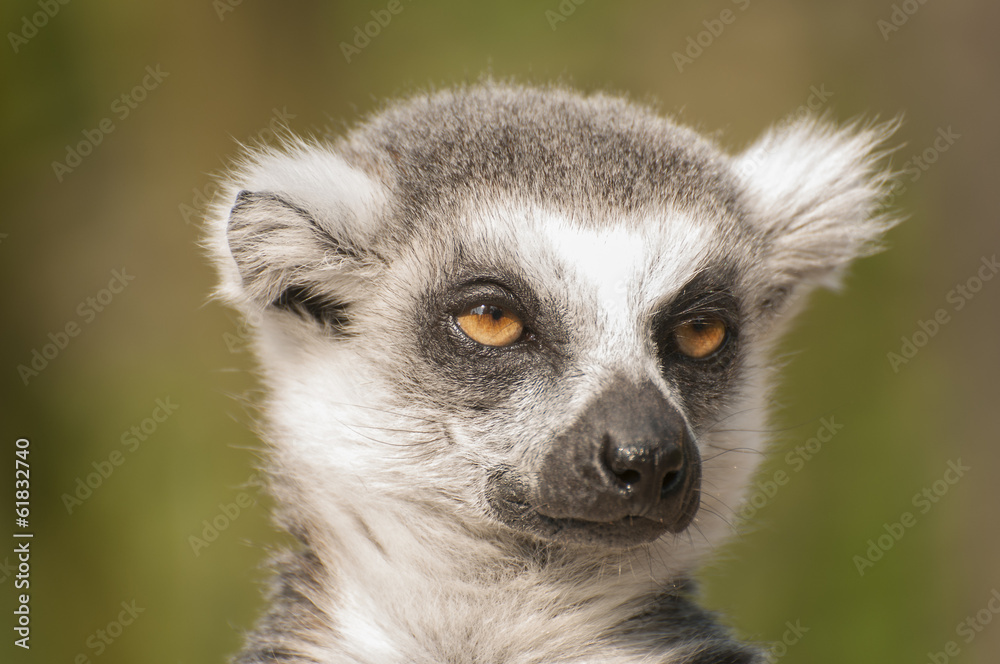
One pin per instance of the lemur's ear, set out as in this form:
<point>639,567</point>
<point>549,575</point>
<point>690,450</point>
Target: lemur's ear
<point>816,193</point>
<point>301,238</point>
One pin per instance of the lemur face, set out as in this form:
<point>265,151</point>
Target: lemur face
<point>544,314</point>
<point>578,365</point>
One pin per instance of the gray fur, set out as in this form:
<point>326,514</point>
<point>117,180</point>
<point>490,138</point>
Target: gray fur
<point>422,471</point>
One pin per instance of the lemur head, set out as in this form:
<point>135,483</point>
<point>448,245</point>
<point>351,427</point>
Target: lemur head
<point>531,314</point>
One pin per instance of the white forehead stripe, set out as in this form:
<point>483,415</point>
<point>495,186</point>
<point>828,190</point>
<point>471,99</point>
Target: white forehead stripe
<point>629,265</point>
<point>608,260</point>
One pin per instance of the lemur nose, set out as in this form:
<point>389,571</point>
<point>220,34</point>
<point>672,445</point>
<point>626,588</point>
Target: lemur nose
<point>628,454</point>
<point>648,470</point>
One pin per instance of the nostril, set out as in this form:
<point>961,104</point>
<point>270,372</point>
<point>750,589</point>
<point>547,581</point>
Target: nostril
<point>674,477</point>
<point>671,482</point>
<point>654,470</point>
<point>629,477</point>
<point>622,461</point>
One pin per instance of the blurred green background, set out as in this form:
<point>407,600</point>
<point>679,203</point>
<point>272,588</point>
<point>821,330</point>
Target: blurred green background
<point>215,73</point>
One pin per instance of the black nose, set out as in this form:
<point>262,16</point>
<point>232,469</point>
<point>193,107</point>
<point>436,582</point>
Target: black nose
<point>646,470</point>
<point>628,454</point>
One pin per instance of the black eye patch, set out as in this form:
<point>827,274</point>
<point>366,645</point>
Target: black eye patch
<point>702,367</point>
<point>325,310</point>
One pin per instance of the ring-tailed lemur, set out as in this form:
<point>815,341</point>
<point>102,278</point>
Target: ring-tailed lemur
<point>515,342</point>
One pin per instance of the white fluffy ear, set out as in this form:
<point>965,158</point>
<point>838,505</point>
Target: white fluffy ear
<point>298,235</point>
<point>815,193</point>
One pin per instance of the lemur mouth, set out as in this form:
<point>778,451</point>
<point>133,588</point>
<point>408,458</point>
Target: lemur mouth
<point>626,532</point>
<point>511,508</point>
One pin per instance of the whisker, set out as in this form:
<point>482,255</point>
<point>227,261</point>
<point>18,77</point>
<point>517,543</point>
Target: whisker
<point>725,450</point>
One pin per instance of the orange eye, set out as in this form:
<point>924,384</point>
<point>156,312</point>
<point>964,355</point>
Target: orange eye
<point>491,325</point>
<point>700,337</point>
